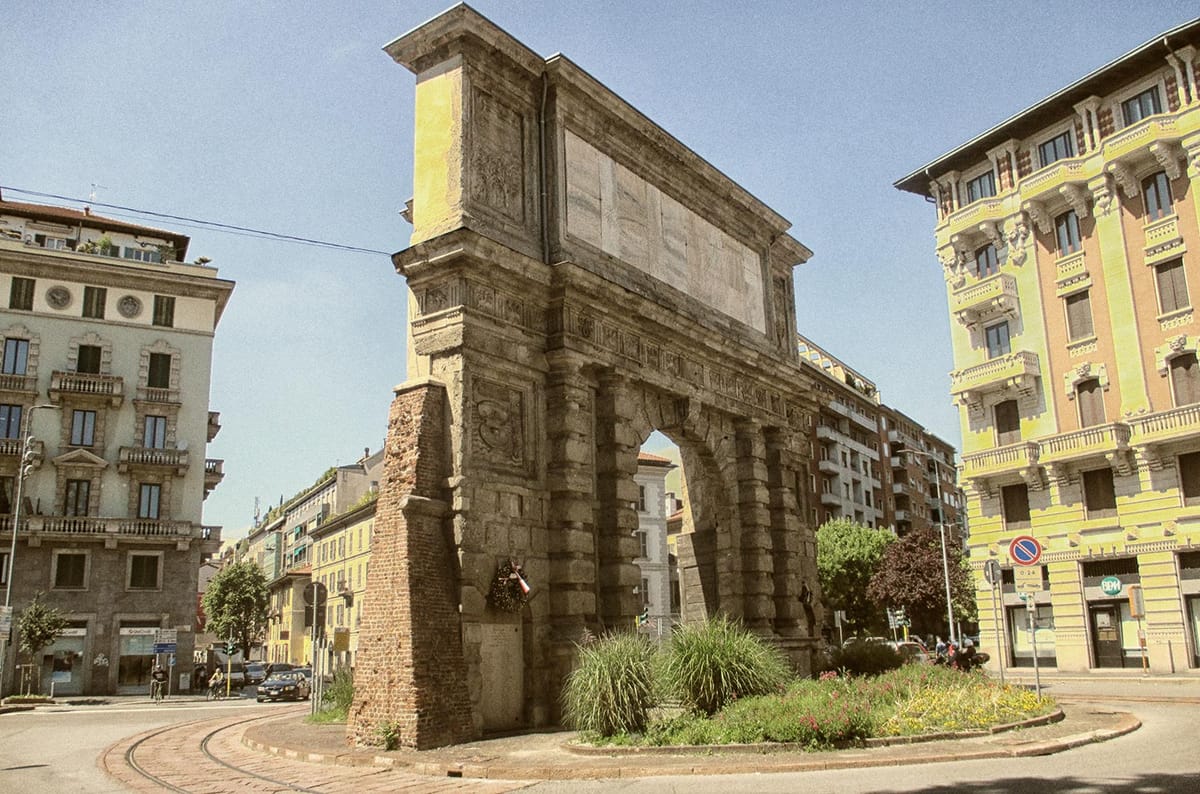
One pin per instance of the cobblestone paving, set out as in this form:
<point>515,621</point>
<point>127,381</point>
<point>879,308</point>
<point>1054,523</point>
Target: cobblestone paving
<point>175,756</point>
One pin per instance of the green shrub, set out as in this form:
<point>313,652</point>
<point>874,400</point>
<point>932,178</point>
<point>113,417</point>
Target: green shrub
<point>866,658</point>
<point>611,691</point>
<point>716,662</point>
<point>336,699</point>
<point>389,735</point>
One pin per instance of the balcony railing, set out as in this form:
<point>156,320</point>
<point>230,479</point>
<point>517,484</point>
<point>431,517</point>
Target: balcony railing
<point>87,384</point>
<point>1157,428</point>
<point>92,525</point>
<point>18,383</point>
<point>1000,460</point>
<point>1014,369</point>
<point>829,466</point>
<point>1070,267</point>
<point>971,216</point>
<point>153,394</point>
<point>214,472</point>
<point>1090,442</point>
<point>11,448</point>
<point>1052,177</point>
<point>995,295</point>
<point>153,457</point>
<point>827,433</point>
<point>1139,136</point>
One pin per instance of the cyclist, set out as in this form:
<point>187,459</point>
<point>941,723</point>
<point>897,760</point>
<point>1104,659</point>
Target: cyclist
<point>158,682</point>
<point>216,685</point>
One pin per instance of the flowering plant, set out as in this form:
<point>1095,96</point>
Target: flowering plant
<point>510,589</point>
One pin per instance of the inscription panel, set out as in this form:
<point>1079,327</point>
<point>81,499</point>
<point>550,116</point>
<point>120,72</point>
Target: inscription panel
<point>612,209</point>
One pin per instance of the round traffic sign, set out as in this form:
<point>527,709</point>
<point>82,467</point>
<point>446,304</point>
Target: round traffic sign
<point>1110,585</point>
<point>1025,550</point>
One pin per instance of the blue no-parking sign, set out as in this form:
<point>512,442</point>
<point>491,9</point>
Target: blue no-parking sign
<point>1025,550</point>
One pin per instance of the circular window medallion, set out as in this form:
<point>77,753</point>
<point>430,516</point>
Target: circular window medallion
<point>129,307</point>
<point>58,297</point>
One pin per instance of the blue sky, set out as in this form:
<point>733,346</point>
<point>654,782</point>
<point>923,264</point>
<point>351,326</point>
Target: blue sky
<point>289,117</point>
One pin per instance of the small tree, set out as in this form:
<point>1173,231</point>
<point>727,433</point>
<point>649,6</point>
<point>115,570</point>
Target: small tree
<point>848,554</point>
<point>38,626</point>
<point>911,575</point>
<point>236,603</point>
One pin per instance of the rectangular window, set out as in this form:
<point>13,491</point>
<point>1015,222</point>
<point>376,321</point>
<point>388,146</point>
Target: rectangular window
<point>1015,502</point>
<point>83,428</point>
<point>1172,286</point>
<point>643,547</point>
<point>645,593</point>
<point>1079,316</point>
<point>164,311</point>
<point>142,254</point>
<point>1090,397</point>
<point>3,567</point>
<point>154,434</point>
<point>1185,379</point>
<point>6,494</point>
<point>1057,148</point>
<point>1141,106</point>
<point>1008,423</point>
<point>16,356</point>
<point>1189,477</point>
<point>998,343</point>
<point>159,374</point>
<point>20,295</point>
<point>641,505</point>
<point>143,571</point>
<point>982,186</point>
<point>93,302</point>
<point>148,500</point>
<point>88,359</point>
<point>70,571</point>
<point>1157,190</point>
<point>1066,231</point>
<point>10,421</point>
<point>76,501</point>
<point>1099,496</point>
<point>986,261</point>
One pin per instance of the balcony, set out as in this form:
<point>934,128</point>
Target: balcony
<point>214,424</point>
<point>970,217</point>
<point>829,466</point>
<point>107,527</point>
<point>991,297</point>
<point>831,499</point>
<point>214,472</point>
<point>11,448</point>
<point>151,394</point>
<point>903,515</point>
<point>1012,458</point>
<point>86,384</point>
<point>827,433</point>
<point>1070,269</point>
<point>1148,434</point>
<point>1108,442</point>
<point>18,384</point>
<point>1017,370</point>
<point>1044,182</point>
<point>1137,138</point>
<point>154,458</point>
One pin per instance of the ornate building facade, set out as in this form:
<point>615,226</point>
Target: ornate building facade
<point>1069,235</point>
<point>106,364</point>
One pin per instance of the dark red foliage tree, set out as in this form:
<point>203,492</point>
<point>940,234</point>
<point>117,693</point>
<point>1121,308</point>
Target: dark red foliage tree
<point>910,575</point>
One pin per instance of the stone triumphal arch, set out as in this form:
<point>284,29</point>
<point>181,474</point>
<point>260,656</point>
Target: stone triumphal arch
<point>578,279</point>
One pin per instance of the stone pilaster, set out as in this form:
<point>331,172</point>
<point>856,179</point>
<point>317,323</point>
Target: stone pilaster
<point>758,569</point>
<point>795,596</point>
<point>616,496</point>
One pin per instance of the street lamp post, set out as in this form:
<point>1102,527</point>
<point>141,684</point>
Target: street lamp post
<point>942,534</point>
<point>24,465</point>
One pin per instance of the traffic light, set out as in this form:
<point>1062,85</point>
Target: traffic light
<point>231,647</point>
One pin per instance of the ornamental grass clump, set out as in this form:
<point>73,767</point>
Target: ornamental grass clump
<point>716,662</point>
<point>611,691</point>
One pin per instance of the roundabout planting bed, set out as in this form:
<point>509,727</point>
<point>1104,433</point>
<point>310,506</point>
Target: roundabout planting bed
<point>615,698</point>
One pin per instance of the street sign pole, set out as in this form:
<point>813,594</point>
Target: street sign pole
<point>999,633</point>
<point>1037,676</point>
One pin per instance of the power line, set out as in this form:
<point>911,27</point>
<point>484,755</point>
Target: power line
<point>203,224</point>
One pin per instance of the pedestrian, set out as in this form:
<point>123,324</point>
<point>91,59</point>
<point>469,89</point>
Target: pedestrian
<point>200,676</point>
<point>940,647</point>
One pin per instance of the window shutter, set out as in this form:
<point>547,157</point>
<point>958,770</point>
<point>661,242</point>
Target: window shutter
<point>1091,403</point>
<point>1079,316</point>
<point>1185,379</point>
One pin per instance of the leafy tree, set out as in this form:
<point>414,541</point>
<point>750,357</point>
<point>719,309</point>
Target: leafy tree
<point>236,603</point>
<point>911,576</point>
<point>848,555</point>
<point>38,626</point>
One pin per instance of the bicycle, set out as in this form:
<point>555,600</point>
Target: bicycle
<point>156,691</point>
<point>216,691</point>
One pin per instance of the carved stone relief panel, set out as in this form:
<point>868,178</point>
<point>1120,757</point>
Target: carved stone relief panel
<point>498,418</point>
<point>498,157</point>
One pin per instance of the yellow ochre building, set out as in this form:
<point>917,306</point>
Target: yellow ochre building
<point>1069,236</point>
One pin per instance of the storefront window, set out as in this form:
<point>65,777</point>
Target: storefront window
<point>1021,645</point>
<point>137,655</point>
<point>65,670</point>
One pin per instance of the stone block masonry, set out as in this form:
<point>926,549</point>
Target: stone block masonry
<point>410,675</point>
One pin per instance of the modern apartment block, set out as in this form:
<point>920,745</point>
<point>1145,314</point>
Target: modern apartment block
<point>106,365</point>
<point>873,464</point>
<point>1069,235</point>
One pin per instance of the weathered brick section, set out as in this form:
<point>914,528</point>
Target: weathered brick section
<point>410,673</point>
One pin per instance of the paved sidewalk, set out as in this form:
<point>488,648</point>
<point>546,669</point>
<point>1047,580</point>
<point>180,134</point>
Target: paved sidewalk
<point>546,756</point>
